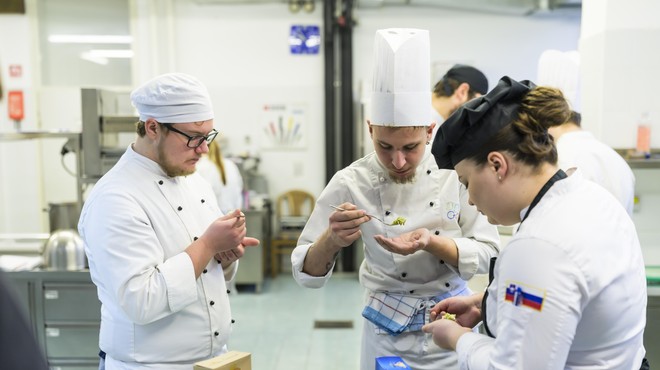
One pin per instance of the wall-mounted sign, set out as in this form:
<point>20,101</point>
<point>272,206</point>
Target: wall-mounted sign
<point>283,126</point>
<point>304,39</point>
<point>15,70</point>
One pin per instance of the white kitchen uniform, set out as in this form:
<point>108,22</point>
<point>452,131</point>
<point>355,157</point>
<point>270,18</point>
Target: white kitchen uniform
<point>229,195</point>
<point>136,223</point>
<point>436,201</point>
<point>598,163</point>
<point>569,290</point>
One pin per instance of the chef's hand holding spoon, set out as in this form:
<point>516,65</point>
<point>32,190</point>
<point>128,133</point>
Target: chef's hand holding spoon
<point>343,229</point>
<point>344,224</point>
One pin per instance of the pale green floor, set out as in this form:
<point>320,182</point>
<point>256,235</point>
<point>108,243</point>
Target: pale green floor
<point>277,325</point>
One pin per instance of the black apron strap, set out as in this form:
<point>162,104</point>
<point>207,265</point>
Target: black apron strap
<point>559,175</point>
<point>491,276</point>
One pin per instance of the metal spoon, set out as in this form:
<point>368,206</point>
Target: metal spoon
<point>372,216</point>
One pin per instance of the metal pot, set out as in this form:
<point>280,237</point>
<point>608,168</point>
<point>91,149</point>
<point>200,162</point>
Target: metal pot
<point>63,216</point>
<point>65,250</point>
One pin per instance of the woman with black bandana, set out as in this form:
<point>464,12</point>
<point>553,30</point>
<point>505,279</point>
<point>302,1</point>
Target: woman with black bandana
<point>569,290</point>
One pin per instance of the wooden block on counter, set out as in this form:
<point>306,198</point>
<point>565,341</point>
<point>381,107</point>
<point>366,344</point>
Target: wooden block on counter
<point>232,360</point>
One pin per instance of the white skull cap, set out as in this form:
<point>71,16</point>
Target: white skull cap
<point>401,94</point>
<point>173,98</point>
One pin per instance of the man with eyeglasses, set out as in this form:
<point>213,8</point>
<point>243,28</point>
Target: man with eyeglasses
<point>160,251</point>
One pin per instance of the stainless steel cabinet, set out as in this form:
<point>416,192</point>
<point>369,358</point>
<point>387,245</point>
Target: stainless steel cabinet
<point>251,265</point>
<point>66,314</point>
<point>652,331</point>
<point>72,315</point>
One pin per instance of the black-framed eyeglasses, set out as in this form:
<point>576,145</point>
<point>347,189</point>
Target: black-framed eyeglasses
<point>193,141</point>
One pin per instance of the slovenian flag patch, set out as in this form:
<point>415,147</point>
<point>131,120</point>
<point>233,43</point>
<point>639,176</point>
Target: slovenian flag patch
<point>521,295</point>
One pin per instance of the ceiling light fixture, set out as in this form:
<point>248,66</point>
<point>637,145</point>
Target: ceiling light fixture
<point>111,53</point>
<point>90,58</point>
<point>309,6</point>
<point>294,6</point>
<point>90,39</point>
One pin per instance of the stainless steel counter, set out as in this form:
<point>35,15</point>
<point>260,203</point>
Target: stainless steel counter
<point>652,331</point>
<point>251,265</point>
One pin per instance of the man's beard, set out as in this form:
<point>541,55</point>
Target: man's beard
<point>403,180</point>
<point>170,169</point>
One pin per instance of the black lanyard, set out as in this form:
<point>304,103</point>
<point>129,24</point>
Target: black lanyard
<point>559,175</point>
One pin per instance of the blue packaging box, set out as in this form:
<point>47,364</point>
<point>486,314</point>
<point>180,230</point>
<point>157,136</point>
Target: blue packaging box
<point>391,363</point>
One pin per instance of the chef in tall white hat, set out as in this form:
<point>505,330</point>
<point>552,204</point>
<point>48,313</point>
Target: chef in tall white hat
<point>438,242</point>
<point>160,251</point>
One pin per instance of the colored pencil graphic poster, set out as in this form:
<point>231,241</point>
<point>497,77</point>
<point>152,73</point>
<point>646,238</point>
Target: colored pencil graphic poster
<point>283,126</point>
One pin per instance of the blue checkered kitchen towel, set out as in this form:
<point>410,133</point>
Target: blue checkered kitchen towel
<point>394,314</point>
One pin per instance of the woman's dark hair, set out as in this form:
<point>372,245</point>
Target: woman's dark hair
<point>576,118</point>
<point>527,138</point>
<point>446,87</point>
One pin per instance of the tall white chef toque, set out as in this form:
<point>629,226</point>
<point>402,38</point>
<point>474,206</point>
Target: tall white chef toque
<point>173,98</point>
<point>561,70</point>
<point>401,93</point>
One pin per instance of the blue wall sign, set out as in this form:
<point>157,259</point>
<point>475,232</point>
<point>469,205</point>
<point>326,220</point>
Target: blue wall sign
<point>304,39</point>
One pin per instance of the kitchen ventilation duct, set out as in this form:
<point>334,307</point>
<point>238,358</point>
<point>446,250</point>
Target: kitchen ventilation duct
<point>516,7</point>
<point>241,2</point>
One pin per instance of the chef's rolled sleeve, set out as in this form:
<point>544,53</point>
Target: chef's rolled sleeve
<point>298,261</point>
<point>230,271</point>
<point>468,257</point>
<point>179,275</point>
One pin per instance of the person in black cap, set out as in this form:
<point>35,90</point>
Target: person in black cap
<point>569,290</point>
<point>460,84</point>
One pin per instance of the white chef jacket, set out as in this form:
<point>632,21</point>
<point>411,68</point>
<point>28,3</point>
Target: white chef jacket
<point>136,223</point>
<point>577,254</point>
<point>436,201</point>
<point>598,163</point>
<point>229,195</point>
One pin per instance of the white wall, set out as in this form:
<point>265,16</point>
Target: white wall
<point>620,53</point>
<point>242,54</point>
<point>20,169</point>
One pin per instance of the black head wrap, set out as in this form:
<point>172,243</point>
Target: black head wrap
<point>478,120</point>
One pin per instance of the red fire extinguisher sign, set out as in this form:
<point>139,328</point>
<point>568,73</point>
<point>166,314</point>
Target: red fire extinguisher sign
<point>15,105</point>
